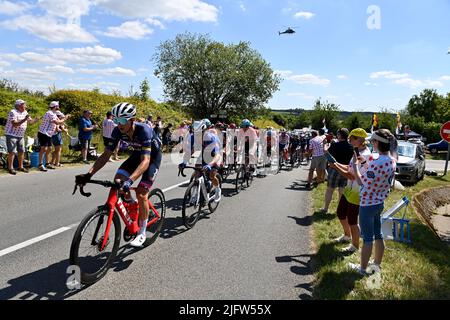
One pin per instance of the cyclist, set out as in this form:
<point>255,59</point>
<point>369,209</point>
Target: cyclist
<point>144,161</point>
<point>247,134</point>
<point>283,143</point>
<point>293,145</point>
<point>211,143</point>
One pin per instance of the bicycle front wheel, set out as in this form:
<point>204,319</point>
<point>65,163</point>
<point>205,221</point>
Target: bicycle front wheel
<point>158,201</point>
<point>240,179</point>
<point>86,250</point>
<point>191,205</point>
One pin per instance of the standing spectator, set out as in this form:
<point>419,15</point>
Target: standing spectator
<point>16,125</point>
<point>318,161</point>
<point>375,187</point>
<point>167,137</point>
<point>157,127</point>
<point>149,120</point>
<point>108,127</point>
<point>348,208</point>
<point>85,130</point>
<point>342,151</point>
<point>57,141</point>
<point>46,131</point>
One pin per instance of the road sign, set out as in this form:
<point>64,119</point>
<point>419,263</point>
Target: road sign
<point>445,134</point>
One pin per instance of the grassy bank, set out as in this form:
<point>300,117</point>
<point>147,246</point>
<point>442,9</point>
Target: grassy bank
<point>420,270</point>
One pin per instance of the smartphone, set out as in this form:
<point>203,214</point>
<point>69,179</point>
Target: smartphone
<point>330,158</point>
<point>357,151</point>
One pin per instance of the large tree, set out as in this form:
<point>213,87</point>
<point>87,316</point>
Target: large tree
<point>328,111</point>
<point>425,105</point>
<point>207,76</point>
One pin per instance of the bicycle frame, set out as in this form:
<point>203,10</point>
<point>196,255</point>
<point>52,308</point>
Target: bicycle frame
<point>114,202</point>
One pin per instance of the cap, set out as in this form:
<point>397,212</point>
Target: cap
<point>358,133</point>
<point>19,102</point>
<point>54,104</point>
<point>87,111</point>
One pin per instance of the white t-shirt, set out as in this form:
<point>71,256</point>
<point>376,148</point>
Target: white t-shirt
<point>47,126</point>
<point>351,192</point>
<point>16,116</point>
<point>377,181</point>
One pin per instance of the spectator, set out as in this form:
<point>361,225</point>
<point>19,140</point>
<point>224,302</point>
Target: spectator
<point>57,141</point>
<point>85,130</point>
<point>342,151</point>
<point>157,127</point>
<point>375,187</point>
<point>318,161</point>
<point>149,120</point>
<point>16,126</point>
<point>348,208</point>
<point>46,131</point>
<point>108,127</point>
<point>167,137</point>
<point>406,131</point>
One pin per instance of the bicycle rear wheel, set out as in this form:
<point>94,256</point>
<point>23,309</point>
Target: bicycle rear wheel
<point>240,179</point>
<point>85,251</point>
<point>249,177</point>
<point>191,205</point>
<point>212,205</point>
<point>156,197</point>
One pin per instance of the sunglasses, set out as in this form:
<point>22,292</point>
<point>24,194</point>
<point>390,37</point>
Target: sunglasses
<point>121,121</point>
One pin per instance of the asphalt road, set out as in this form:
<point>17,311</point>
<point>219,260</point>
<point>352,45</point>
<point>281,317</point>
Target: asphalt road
<point>255,246</point>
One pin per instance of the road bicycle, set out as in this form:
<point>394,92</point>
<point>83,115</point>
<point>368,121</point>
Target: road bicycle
<point>97,238</point>
<point>244,176</point>
<point>199,194</point>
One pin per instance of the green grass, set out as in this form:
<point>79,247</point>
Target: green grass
<point>420,270</point>
<point>439,156</point>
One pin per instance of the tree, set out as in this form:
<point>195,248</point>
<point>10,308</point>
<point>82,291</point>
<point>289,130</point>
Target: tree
<point>303,120</point>
<point>207,76</point>
<point>145,90</point>
<point>357,120</point>
<point>387,120</point>
<point>327,111</point>
<point>425,105</point>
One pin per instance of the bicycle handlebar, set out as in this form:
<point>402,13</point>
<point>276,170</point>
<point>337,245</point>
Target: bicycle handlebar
<point>106,184</point>
<point>181,170</point>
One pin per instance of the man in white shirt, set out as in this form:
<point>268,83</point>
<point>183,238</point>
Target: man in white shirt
<point>16,125</point>
<point>108,127</point>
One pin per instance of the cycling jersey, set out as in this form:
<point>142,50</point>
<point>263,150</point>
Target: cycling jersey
<point>295,143</point>
<point>284,139</point>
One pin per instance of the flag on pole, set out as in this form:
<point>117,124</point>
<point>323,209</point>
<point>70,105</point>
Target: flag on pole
<point>399,124</point>
<point>374,123</point>
<point>325,125</point>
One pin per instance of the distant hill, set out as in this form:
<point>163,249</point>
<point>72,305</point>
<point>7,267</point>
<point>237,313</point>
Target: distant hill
<point>296,112</point>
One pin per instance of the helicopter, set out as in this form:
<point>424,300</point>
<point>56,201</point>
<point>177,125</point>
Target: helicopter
<point>289,30</point>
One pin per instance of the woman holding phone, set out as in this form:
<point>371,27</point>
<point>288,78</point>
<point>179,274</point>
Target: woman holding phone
<point>348,208</point>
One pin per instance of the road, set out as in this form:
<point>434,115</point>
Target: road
<point>255,246</point>
<point>436,165</point>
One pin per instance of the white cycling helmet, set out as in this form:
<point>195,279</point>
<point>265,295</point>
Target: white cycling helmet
<point>124,110</point>
<point>201,125</point>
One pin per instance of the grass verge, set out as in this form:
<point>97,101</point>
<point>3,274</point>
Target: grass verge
<point>420,270</point>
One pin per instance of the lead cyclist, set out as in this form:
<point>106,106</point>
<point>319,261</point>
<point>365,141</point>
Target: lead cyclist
<point>144,161</point>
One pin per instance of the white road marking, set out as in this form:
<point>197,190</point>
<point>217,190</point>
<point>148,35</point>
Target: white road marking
<point>30,242</point>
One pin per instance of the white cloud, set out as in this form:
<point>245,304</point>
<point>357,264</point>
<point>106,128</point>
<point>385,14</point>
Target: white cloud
<point>242,6</point>
<point>28,74</point>
<point>68,9</point>
<point>59,69</point>
<point>155,22</point>
<point>304,15</point>
<point>388,75</point>
<point>444,78</point>
<point>33,57</point>
<point>118,71</point>
<point>87,55</point>
<point>131,29</point>
<point>342,77</point>
<point>309,79</point>
<point>178,10</point>
<point>4,64</point>
<point>404,79</point>
<point>301,95</point>
<point>371,84</point>
<point>11,57</point>
<point>50,29</point>
<point>11,9</point>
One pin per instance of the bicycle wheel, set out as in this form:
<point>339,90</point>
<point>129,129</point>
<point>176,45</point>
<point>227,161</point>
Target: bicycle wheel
<point>85,251</point>
<point>191,205</point>
<point>156,197</point>
<point>239,181</point>
<point>248,178</point>
<point>212,205</point>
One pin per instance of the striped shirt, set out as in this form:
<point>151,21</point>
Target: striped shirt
<point>47,126</point>
<point>108,127</point>
<point>16,116</point>
<point>316,145</point>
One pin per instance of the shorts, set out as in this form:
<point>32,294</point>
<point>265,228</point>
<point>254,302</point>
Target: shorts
<point>319,163</point>
<point>348,211</point>
<point>85,143</point>
<point>15,144</point>
<point>107,141</point>
<point>149,176</point>
<point>370,223</point>
<point>44,140</point>
<point>57,139</point>
<point>335,180</point>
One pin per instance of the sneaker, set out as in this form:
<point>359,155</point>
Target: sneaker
<point>218,195</point>
<point>373,268</point>
<point>23,170</point>
<point>85,162</point>
<point>342,239</point>
<point>50,166</point>
<point>42,168</point>
<point>12,171</point>
<point>350,249</point>
<point>138,241</point>
<point>357,268</point>
<point>59,165</point>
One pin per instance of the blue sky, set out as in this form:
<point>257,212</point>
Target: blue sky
<point>334,55</point>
